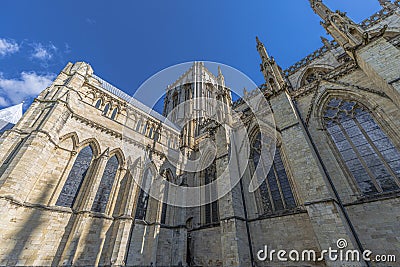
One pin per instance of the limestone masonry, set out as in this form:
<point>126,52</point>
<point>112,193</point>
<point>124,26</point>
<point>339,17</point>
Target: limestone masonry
<point>68,190</point>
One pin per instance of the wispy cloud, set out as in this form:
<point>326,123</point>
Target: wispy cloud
<point>43,52</point>
<point>3,102</point>
<point>8,46</point>
<point>90,21</point>
<point>67,49</point>
<point>27,86</point>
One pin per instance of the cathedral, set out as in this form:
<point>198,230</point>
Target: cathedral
<point>90,176</point>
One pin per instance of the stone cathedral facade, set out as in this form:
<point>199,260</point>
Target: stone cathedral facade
<point>68,194</point>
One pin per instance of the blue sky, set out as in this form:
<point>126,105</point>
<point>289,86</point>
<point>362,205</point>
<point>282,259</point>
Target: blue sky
<point>126,42</point>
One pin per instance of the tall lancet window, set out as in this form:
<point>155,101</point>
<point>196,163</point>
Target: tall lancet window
<point>370,156</point>
<point>143,200</point>
<point>168,177</point>
<point>75,178</point>
<point>106,184</point>
<point>211,212</point>
<point>275,191</point>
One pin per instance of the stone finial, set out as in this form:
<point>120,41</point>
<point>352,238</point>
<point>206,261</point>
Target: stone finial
<point>82,68</point>
<point>387,4</point>
<point>326,42</point>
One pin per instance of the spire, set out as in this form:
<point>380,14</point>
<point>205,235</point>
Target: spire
<point>271,71</point>
<point>261,49</point>
<point>326,42</point>
<point>320,9</point>
<point>345,31</point>
<point>221,77</point>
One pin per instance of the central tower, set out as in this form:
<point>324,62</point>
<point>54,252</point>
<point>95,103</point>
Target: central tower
<point>195,98</point>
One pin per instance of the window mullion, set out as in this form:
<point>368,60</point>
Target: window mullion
<point>360,158</point>
<point>377,151</point>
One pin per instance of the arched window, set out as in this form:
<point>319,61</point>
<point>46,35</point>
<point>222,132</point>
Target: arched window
<point>370,156</point>
<point>138,125</point>
<point>141,207</point>
<point>145,129</point>
<point>98,104</point>
<point>275,191</point>
<point>312,75</point>
<point>187,92</point>
<point>106,109</point>
<point>106,184</point>
<point>168,178</point>
<point>151,131</point>
<point>114,113</point>
<point>175,100</point>
<point>211,212</point>
<point>75,178</point>
<point>156,136</point>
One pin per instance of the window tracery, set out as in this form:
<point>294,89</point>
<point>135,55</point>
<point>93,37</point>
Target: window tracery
<point>370,156</point>
<point>75,178</point>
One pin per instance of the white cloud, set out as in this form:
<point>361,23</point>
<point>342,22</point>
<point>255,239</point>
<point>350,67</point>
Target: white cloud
<point>3,102</point>
<point>29,85</point>
<point>8,47</point>
<point>43,52</point>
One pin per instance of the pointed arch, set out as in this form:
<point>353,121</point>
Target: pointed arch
<point>361,144</point>
<point>106,109</point>
<point>98,104</point>
<point>106,184</point>
<point>139,125</point>
<point>95,145</point>
<point>312,73</point>
<point>114,113</point>
<point>76,176</point>
<point>169,178</point>
<point>74,138</point>
<point>149,174</point>
<point>119,154</point>
<point>275,192</point>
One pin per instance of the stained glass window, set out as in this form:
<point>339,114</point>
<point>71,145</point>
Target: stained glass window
<point>275,191</point>
<point>114,114</point>
<point>211,212</point>
<point>106,184</point>
<point>141,208</point>
<point>98,103</point>
<point>166,191</point>
<point>370,156</point>
<point>106,109</point>
<point>75,178</point>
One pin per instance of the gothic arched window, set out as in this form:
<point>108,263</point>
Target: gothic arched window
<point>138,125</point>
<point>211,212</point>
<point>98,104</point>
<point>141,207</point>
<point>370,156</point>
<point>168,178</point>
<point>175,100</point>
<point>275,191</point>
<point>114,113</point>
<point>106,184</point>
<point>106,109</point>
<point>75,178</point>
<point>312,75</point>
